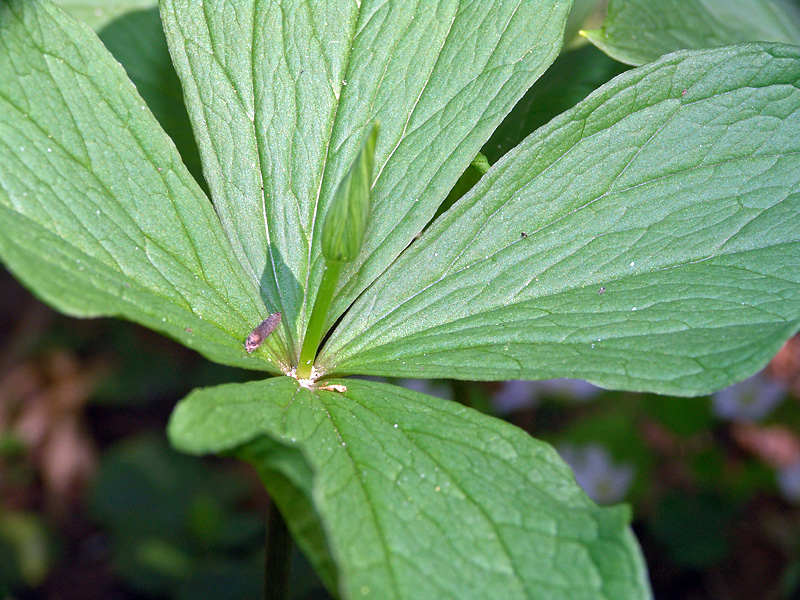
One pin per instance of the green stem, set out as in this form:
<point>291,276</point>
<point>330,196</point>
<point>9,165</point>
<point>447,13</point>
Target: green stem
<point>316,323</point>
<point>278,557</point>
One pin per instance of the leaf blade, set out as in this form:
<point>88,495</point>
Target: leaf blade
<point>423,498</point>
<point>591,229</point>
<point>99,13</point>
<point>296,117</point>
<point>136,39</point>
<point>573,76</point>
<point>639,31</point>
<point>89,176</point>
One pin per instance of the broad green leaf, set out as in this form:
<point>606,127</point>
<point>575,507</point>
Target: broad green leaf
<point>648,239</point>
<point>281,98</point>
<point>99,13</point>
<point>420,498</point>
<point>100,217</point>
<point>137,41</point>
<point>639,31</point>
<point>573,76</point>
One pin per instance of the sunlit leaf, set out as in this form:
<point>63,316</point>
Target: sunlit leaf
<point>419,498</point>
<point>100,217</point>
<point>649,239</point>
<point>281,98</point>
<point>573,76</point>
<point>137,40</point>
<point>99,13</point>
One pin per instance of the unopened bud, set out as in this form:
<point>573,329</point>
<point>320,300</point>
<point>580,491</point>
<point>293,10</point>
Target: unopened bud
<point>348,214</point>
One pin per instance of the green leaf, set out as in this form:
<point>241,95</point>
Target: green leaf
<point>419,497</point>
<point>573,76</point>
<point>648,239</point>
<point>282,97</point>
<point>348,215</point>
<point>137,41</point>
<point>99,13</point>
<point>100,217</point>
<point>639,31</point>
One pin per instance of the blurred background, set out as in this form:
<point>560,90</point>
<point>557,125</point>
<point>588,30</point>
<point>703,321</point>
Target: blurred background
<point>94,503</point>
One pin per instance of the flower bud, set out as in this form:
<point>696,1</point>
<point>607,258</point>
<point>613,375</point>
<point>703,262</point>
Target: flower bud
<point>348,214</point>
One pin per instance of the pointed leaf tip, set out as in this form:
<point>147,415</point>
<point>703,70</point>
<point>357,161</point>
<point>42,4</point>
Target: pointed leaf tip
<point>348,215</point>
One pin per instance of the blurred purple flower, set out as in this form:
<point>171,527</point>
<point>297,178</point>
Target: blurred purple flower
<point>750,400</point>
<point>789,482</point>
<point>432,387</point>
<point>515,395</point>
<point>575,390</point>
<point>601,478</point>
<point>518,394</point>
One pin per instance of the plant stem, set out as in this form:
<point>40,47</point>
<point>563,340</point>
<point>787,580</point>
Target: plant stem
<point>316,323</point>
<point>278,557</point>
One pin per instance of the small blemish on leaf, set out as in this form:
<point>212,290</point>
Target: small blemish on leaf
<point>335,387</point>
<point>260,333</point>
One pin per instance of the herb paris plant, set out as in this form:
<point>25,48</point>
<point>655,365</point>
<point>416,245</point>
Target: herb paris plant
<point>674,188</point>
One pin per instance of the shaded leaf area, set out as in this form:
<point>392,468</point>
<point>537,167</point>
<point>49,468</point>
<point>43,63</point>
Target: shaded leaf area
<point>137,40</point>
<point>572,77</point>
<point>281,98</point>
<point>646,240</point>
<point>100,215</point>
<point>477,169</point>
<point>418,497</point>
<point>578,15</point>
<point>99,13</point>
<point>639,31</point>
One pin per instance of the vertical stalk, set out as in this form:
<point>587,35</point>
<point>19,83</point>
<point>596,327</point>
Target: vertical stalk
<point>316,323</point>
<point>278,557</point>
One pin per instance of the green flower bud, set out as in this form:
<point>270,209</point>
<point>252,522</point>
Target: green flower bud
<point>348,214</point>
